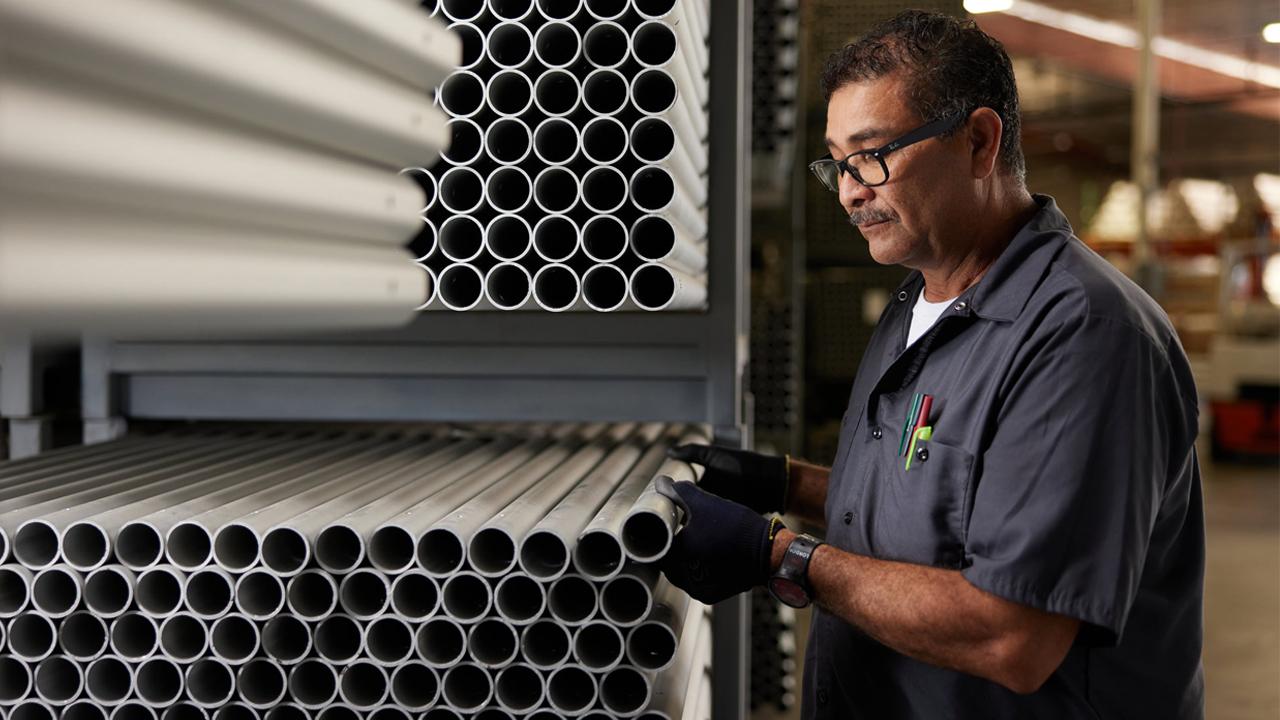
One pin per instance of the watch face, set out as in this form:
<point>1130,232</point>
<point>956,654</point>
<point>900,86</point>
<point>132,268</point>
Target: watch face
<point>788,592</point>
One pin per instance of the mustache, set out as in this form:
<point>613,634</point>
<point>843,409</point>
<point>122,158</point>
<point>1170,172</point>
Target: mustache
<point>866,217</point>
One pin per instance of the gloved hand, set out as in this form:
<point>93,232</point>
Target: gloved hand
<point>749,478</point>
<point>722,550</point>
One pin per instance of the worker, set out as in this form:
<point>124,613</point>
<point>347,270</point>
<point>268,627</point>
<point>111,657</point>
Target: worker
<point>1013,525</point>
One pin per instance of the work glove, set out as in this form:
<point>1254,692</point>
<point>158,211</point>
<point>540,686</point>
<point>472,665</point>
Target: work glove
<point>749,478</point>
<point>723,549</point>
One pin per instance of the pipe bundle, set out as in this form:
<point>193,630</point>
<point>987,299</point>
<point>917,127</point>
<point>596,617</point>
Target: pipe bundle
<point>380,574</point>
<point>576,178</point>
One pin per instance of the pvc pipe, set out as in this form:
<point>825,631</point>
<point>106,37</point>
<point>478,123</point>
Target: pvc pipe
<point>34,710</point>
<point>462,10</point>
<point>546,644</point>
<point>286,639</point>
<point>556,141</point>
<point>364,594</point>
<point>89,710</point>
<point>16,681</point>
<point>388,641</point>
<point>573,599</point>
<point>338,712</point>
<point>473,44</point>
<point>625,691</point>
<point>461,238</point>
<point>508,189</point>
<point>508,141</point>
<point>604,238</point>
<point>654,93</point>
<point>58,680</point>
<point>557,44</point>
<point>235,711</point>
<point>415,595</point>
<point>654,238</point>
<point>441,712</point>
<point>604,189</point>
<point>287,711</point>
<point>651,645</point>
<point>388,712</point>
<point>461,286</point>
<point>363,685</point>
<point>654,44</point>
<point>571,690</point>
<point>466,142</point>
<point>108,590</point>
<point>605,92</point>
<point>508,238</point>
<point>510,9</point>
<point>461,191</point>
<point>556,190</point>
<point>605,45</point>
<point>338,638</point>
<point>312,595</point>
<point>656,287</point>
<point>509,92</point>
<point>108,680</point>
<point>83,636</point>
<point>159,682</point>
<point>425,182</point>
<point>508,286</point>
<point>558,9</point>
<point>415,686</point>
<point>556,238</point>
<point>57,591</point>
<point>423,246</point>
<point>604,288</point>
<point>652,139</point>
<point>604,140</point>
<point>441,642</point>
<point>493,643</point>
<point>313,683</point>
<point>466,687</point>
<point>160,591</point>
<point>184,637</point>
<point>653,189</point>
<point>15,590</point>
<point>556,288</point>
<point>627,599</point>
<point>32,637</point>
<point>462,94</point>
<point>209,593</point>
<point>234,638</point>
<point>259,594</point>
<point>465,596</point>
<point>690,22</point>
<point>598,646</point>
<point>510,45</point>
<point>277,82</point>
<point>556,93</point>
<point>134,636</point>
<point>519,688</point>
<point>262,683</point>
<point>519,599</point>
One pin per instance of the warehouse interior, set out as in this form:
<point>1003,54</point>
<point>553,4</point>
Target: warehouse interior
<point>361,330</point>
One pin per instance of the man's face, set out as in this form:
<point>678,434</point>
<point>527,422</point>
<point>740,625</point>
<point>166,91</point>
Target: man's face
<point>902,220</point>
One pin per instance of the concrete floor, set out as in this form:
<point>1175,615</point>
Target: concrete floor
<point>1242,596</point>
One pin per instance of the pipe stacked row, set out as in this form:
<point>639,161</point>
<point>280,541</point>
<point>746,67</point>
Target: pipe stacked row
<point>307,574</point>
<point>576,176</point>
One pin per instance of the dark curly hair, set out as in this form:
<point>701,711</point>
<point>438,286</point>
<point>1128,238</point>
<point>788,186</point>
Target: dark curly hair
<point>950,64</point>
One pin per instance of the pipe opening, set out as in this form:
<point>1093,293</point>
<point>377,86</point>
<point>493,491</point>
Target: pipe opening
<point>426,182</point>
<point>415,595</point>
<point>555,238</point>
<point>572,599</point>
<point>286,638</point>
<point>508,237</point>
<point>511,9</point>
<point>461,94</point>
<point>598,554</point>
<point>654,43</point>
<point>559,9</point>
<point>604,92</point>
<point>466,597</point>
<point>651,646</point>
<point>134,636</point>
<point>85,546</point>
<point>604,140</point>
<point>311,595</point>
<point>555,287</point>
<point>159,682</point>
<point>32,637</point>
<point>557,92</point>
<point>508,189</point>
<point>556,141</point>
<point>464,146</point>
<point>89,710</point>
<point>364,593</point>
<point>571,689</point>
<point>139,545</point>
<point>15,591</point>
<point>236,547</point>
<point>467,687</point>
<point>441,642</point>
<point>546,644</point>
<point>472,44</point>
<point>460,286</point>
<point>624,691</point>
<point>390,548</point>
<point>508,286</point>
<point>159,592</point>
<point>15,680</point>
<point>508,141</point>
<point>653,238</point>
<point>55,592</point>
<point>336,712</point>
<point>625,600</point>
<point>510,92</point>
<point>520,598</point>
<point>493,643</point>
<point>510,45</point>
<point>598,646</point>
<point>36,544</point>
<point>652,287</point>
<point>313,683</point>
<point>363,684</point>
<point>339,549</point>
<point>108,680</point>
<point>604,238</point>
<point>557,44</point>
<point>519,688</point>
<point>654,8</point>
<point>652,188</point>
<point>234,638</point>
<point>260,594</point>
<point>284,550</point>
<point>556,190</point>
<point>604,189</point>
<point>389,712</point>
<point>209,593</point>
<point>389,640</point>
<point>604,288</point>
<point>461,191</point>
<point>261,682</point>
<point>653,91</point>
<point>652,140</point>
<point>58,680</point>
<point>543,554</point>
<point>415,686</point>
<point>234,711</point>
<point>337,638</point>
<point>462,10</point>
<point>83,636</point>
<point>492,551</point>
<point>183,637</point>
<point>605,45</point>
<point>189,546</point>
<point>461,238</point>
<point>606,9</point>
<point>32,710</point>
<point>646,536</point>
<point>285,712</point>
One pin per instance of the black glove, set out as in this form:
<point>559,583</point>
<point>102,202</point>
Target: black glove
<point>752,479</point>
<point>723,549</point>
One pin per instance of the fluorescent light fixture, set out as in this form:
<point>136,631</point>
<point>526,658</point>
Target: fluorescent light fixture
<point>1270,33</point>
<point>977,7</point>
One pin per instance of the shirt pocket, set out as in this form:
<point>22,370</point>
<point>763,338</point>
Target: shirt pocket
<point>917,515</point>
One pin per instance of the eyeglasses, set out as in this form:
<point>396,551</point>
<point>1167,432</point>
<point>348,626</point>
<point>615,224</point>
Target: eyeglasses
<point>868,166</point>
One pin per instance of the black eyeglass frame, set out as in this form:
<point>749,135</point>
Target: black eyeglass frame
<point>924,132</point>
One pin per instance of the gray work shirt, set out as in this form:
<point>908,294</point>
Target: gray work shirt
<point>1061,474</point>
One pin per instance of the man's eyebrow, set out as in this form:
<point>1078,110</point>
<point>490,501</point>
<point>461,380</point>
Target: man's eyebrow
<point>861,136</point>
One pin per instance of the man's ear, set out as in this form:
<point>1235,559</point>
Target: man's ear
<point>985,130</point>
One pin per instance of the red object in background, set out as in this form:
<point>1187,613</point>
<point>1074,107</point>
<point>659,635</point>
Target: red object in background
<point>1247,428</point>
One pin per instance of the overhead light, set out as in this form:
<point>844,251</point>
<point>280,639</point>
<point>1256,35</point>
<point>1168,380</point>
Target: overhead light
<point>1270,33</point>
<point>976,7</point>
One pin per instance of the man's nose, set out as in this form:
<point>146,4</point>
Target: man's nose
<point>853,194</point>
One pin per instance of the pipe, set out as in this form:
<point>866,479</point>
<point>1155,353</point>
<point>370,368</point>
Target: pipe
<point>604,288</point>
<point>132,710</point>
<point>466,596</point>
<point>83,636</point>
<point>651,645</point>
<point>654,44</point>
<point>425,182</point>
<point>338,712</point>
<point>209,593</point>
<point>556,141</point>
<point>653,190</point>
<point>605,92</point>
<point>57,591</point>
<point>654,93</point>
<point>159,682</point>
<point>690,22</point>
<point>236,711</point>
<point>234,638</point>
<point>160,591</point>
<point>89,710</point>
<point>364,593</point>
<point>259,594</point>
<point>508,189</point>
<point>461,191</point>
<point>508,238</point>
<point>388,641</point>
<point>604,189</point>
<point>519,688</point>
<point>363,685</point>
<point>604,140</point>
<point>510,45</point>
<point>519,599</point>
<point>573,599</point>
<point>461,238</point>
<point>598,646</point>
<point>556,238</point>
<point>557,44</point>
<point>462,94</point>
<point>513,10</point>
<point>108,680</point>
<point>466,142</point>
<point>16,681</point>
<point>415,686</point>
<point>473,44</point>
<point>389,712</point>
<point>286,639</point>
<point>555,190</point>
<point>508,141</point>
<point>625,691</point>
<point>441,642</point>
<point>36,710</point>
<point>285,711</point>
<point>546,644</point>
<point>466,687</point>
<point>558,9</point>
<point>441,712</point>
<point>262,683</point>
<point>604,239</point>
<point>423,246</point>
<point>58,680</point>
<point>493,643</point>
<point>313,683</point>
<point>184,637</point>
<point>108,591</point>
<point>15,590</point>
<point>556,93</point>
<point>509,92</point>
<point>605,44</point>
<point>461,286</point>
<point>672,686</point>
<point>134,636</point>
<point>338,638</point>
<point>651,523</point>
<point>571,690</point>
<point>462,10</point>
<point>508,286</point>
<point>312,595</point>
<point>654,238</point>
<point>556,287</point>
<point>32,637</point>
<point>415,595</point>
<point>627,599</point>
<point>656,287</point>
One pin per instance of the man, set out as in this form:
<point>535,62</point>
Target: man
<point>1013,521</point>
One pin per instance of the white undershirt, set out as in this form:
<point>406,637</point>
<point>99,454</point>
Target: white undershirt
<point>924,315</point>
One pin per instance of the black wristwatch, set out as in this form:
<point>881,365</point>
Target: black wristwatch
<point>790,585</point>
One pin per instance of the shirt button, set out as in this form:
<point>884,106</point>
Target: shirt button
<point>877,433</point>
<point>848,518</point>
<point>822,697</point>
<point>961,305</point>
<point>902,296</point>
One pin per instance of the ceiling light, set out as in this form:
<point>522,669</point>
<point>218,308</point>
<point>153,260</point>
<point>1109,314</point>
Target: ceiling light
<point>1271,33</point>
<point>975,7</point>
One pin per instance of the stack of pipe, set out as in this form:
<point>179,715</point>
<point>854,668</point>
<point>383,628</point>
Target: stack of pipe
<point>577,174</point>
<point>387,574</point>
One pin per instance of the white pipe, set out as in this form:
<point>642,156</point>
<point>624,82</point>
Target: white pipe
<point>37,710</point>
<point>653,92</point>
<point>508,238</point>
<point>652,521</point>
<point>134,636</point>
<point>466,142</point>
<point>415,686</point>
<point>557,44</point>
<point>262,683</point>
<point>209,593</point>
<point>286,639</point>
<point>604,239</point>
<point>605,92</point>
<point>655,287</point>
<point>508,286</point>
<point>234,638</point>
<point>57,591</point>
<point>690,21</point>
<point>604,289</point>
<point>108,680</point>
<point>388,641</point>
<point>133,710</point>
<point>184,637</point>
<point>604,140</point>
<point>160,591</point>
<point>510,45</point>
<point>672,685</point>
<point>159,682</point>
<point>466,687</point>
<point>509,92</point>
<point>473,44</point>
<point>627,599</point>
<point>556,141</point>
<point>426,182</point>
<point>598,646</point>
<point>363,685</point>
<point>654,44</point>
<point>557,93</point>
<point>462,10</point>
<point>546,644</point>
<point>283,711</point>
<point>654,190</point>
<point>604,189</point>
<point>423,246</point>
<point>605,9</point>
<point>312,595</point>
<point>415,595</point>
<point>461,190</point>
<point>573,599</point>
<point>556,238</point>
<point>441,642</point>
<point>259,594</point>
<point>234,711</point>
<point>337,638</point>
<point>461,238</point>
<point>58,680</point>
<point>519,688</point>
<point>364,593</point>
<point>462,94</point>
<point>625,691</point>
<point>313,683</point>
<point>510,9</point>
<point>466,597</point>
<point>558,9</point>
<point>508,189</point>
<point>83,636</point>
<point>338,712</point>
<point>508,140</point>
<point>571,690</point>
<point>461,286</point>
<point>277,81</point>
<point>15,590</point>
<point>89,710</point>
<point>519,599</point>
<point>556,288</point>
<point>605,45</point>
<point>654,238</point>
<point>493,643</point>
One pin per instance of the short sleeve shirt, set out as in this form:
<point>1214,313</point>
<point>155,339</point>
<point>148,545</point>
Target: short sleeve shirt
<point>1060,473</point>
